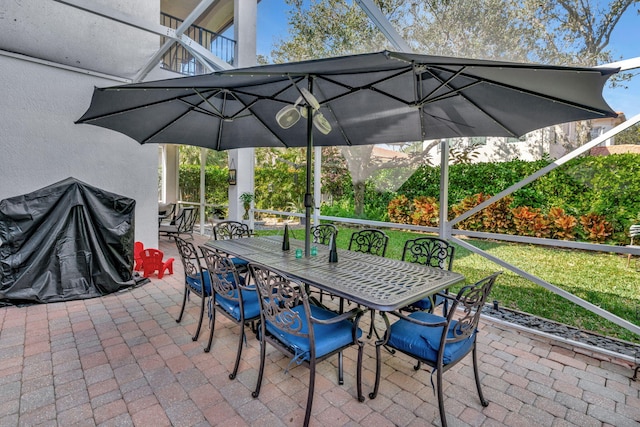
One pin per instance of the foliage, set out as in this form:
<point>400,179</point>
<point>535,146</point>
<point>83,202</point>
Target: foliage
<point>597,226</point>
<point>630,135</point>
<point>216,187</point>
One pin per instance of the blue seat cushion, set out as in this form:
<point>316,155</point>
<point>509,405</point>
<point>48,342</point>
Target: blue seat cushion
<point>328,337</point>
<point>194,283</point>
<point>423,341</point>
<point>232,306</point>
<point>239,262</point>
<point>425,304</point>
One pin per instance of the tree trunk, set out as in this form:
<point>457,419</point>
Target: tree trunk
<point>358,198</point>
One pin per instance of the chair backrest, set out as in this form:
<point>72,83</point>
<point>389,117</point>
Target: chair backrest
<point>226,230</point>
<point>284,304</point>
<point>470,299</point>
<point>322,233</point>
<point>185,220</point>
<point>429,251</point>
<point>634,231</point>
<point>224,276</point>
<point>167,210</point>
<point>189,257</point>
<point>369,241</point>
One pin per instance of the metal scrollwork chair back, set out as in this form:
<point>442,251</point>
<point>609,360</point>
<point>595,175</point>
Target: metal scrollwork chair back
<point>432,252</point>
<point>369,241</point>
<point>322,233</point>
<point>225,230</point>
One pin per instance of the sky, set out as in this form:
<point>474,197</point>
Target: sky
<point>272,25</point>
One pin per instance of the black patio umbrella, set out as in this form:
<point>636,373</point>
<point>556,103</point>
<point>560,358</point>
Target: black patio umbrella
<point>373,98</point>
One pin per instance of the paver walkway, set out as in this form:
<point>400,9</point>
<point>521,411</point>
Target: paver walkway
<point>122,360</point>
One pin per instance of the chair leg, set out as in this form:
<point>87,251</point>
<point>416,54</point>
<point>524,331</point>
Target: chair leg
<point>340,369</point>
<point>213,327</point>
<point>483,401</point>
<point>443,416</point>
<point>202,305</point>
<point>233,374</point>
<point>184,303</point>
<point>263,352</point>
<point>312,383</point>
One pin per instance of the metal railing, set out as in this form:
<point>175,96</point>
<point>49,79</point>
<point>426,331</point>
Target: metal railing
<point>178,59</point>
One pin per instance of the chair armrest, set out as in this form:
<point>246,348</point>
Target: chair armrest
<point>353,313</point>
<point>419,322</point>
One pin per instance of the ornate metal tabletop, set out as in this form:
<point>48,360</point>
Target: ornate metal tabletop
<point>379,283</point>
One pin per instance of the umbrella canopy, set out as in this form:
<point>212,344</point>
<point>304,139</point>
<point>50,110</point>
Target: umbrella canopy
<point>374,98</point>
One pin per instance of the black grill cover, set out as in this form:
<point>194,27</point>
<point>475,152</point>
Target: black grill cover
<point>66,241</point>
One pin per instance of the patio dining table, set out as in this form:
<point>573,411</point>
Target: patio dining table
<point>375,282</point>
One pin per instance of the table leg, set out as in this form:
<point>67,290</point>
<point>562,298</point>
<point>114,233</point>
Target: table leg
<point>379,344</point>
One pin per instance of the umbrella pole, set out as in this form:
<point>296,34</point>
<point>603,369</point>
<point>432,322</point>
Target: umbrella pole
<point>308,197</point>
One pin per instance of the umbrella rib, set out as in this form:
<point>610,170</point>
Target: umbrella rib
<point>138,107</point>
<point>529,92</point>
<point>458,92</point>
<point>368,86</point>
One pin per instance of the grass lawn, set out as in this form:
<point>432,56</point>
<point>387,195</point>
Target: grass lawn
<point>599,278</point>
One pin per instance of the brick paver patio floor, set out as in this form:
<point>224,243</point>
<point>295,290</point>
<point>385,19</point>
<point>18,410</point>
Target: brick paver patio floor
<point>123,360</point>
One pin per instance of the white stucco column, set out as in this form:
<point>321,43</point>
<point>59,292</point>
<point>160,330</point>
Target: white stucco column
<point>245,21</point>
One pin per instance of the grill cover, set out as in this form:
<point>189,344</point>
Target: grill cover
<point>66,241</point>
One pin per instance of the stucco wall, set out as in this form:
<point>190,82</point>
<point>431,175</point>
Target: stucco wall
<point>40,144</point>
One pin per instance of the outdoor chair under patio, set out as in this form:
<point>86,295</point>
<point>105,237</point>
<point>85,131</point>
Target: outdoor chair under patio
<point>432,252</point>
<point>322,234</point>
<point>230,297</point>
<point>369,241</point>
<point>226,230</point>
<point>183,224</point>
<point>196,279</point>
<point>440,342</point>
<point>306,333</point>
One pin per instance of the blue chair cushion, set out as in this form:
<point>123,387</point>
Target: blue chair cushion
<point>239,262</point>
<point>194,283</point>
<point>249,299</point>
<point>328,337</point>
<point>425,304</point>
<point>424,341</point>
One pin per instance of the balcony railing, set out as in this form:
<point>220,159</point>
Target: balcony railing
<point>178,59</point>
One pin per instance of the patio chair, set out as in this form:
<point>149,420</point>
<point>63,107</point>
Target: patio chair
<point>322,233</point>
<point>196,279</point>
<point>634,232</point>
<point>226,230</point>
<point>369,241</point>
<point>432,252</point>
<point>230,297</point>
<point>306,333</point>
<point>440,342</point>
<point>184,223</point>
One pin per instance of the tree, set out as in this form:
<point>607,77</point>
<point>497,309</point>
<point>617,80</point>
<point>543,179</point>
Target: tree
<point>630,135</point>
